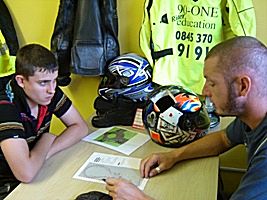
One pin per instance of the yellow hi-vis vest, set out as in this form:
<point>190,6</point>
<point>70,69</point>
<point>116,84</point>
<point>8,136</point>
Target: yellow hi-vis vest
<point>175,36</point>
<point>7,62</point>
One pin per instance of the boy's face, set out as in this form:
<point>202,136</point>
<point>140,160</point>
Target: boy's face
<point>39,88</point>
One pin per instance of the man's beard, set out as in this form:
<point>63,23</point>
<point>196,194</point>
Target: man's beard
<point>235,105</point>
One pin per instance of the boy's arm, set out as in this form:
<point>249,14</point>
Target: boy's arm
<point>76,129</point>
<point>25,164</point>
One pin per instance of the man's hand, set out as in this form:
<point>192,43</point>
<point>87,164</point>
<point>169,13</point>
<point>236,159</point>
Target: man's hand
<point>120,189</point>
<point>156,163</point>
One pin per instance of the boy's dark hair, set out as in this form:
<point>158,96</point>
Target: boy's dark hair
<point>34,57</point>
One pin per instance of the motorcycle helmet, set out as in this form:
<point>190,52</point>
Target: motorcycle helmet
<point>129,76</point>
<point>175,116</point>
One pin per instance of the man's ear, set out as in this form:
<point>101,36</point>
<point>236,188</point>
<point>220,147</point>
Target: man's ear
<point>20,80</point>
<point>244,85</point>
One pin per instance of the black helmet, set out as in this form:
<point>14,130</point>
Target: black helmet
<point>175,116</point>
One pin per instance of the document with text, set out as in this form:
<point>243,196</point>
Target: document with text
<point>100,166</point>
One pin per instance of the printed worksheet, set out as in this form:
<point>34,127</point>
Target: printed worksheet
<point>100,166</point>
<point>118,139</point>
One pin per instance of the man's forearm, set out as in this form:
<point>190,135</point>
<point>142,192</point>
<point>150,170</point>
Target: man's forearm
<point>210,145</point>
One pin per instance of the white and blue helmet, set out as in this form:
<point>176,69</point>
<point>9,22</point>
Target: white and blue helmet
<point>128,75</point>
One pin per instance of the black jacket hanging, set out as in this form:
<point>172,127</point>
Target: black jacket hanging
<point>61,41</point>
<point>85,36</point>
<point>95,41</point>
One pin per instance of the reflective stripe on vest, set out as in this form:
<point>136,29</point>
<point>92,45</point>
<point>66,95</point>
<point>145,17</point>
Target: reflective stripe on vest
<point>7,62</point>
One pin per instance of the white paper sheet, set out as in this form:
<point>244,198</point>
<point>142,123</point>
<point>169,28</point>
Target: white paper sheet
<point>118,139</point>
<point>100,166</point>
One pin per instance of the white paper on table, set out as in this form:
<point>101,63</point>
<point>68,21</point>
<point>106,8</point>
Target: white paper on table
<point>100,166</point>
<point>118,139</point>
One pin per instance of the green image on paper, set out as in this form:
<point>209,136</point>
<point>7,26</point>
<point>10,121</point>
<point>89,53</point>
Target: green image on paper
<point>116,136</point>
